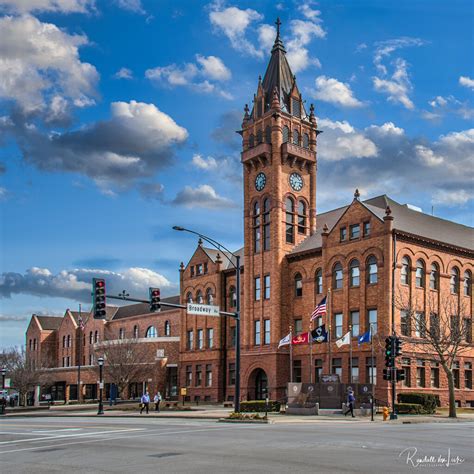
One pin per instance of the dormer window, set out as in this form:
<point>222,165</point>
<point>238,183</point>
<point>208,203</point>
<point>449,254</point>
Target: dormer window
<point>355,231</point>
<point>296,107</point>
<point>343,233</point>
<point>199,269</point>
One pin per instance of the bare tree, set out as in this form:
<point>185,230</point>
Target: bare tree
<point>446,331</point>
<point>125,361</point>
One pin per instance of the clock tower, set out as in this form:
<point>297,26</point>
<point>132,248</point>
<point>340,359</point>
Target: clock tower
<point>279,166</point>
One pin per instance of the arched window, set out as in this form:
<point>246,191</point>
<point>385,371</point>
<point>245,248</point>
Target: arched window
<point>319,281</point>
<point>286,134</point>
<point>296,137</point>
<point>135,331</point>
<point>455,280</point>
<point>96,336</point>
<point>354,268</point>
<point>372,270</point>
<point>30,344</point>
<point>405,271</point>
<point>268,134</point>
<point>199,298</point>
<point>467,283</point>
<point>251,141</point>
<point>34,344</point>
<point>420,274</point>
<point>266,224</point>
<point>209,297</point>
<point>305,140</point>
<point>68,340</point>
<point>298,285</point>
<point>301,217</point>
<point>189,298</point>
<point>337,276</point>
<point>91,338</point>
<point>167,328</point>
<point>121,333</point>
<point>259,137</point>
<point>434,276</point>
<point>151,332</point>
<point>290,210</point>
<point>256,227</point>
<point>232,297</point>
<point>64,341</point>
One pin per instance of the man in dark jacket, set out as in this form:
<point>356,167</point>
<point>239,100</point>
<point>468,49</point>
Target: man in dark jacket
<point>350,403</point>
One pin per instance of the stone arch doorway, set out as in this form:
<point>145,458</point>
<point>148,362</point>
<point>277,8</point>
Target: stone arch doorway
<point>258,384</point>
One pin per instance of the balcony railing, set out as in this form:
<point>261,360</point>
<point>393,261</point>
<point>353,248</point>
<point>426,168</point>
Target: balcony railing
<point>296,151</point>
<point>262,149</point>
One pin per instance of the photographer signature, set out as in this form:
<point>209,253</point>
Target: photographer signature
<point>430,460</point>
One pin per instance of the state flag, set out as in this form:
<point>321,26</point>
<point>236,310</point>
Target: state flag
<point>301,338</point>
<point>363,338</point>
<point>285,341</point>
<point>320,334</point>
<point>344,340</point>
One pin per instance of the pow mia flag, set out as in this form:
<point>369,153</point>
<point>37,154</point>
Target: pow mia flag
<point>320,334</point>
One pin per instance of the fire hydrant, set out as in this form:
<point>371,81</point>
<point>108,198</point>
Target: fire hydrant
<point>385,413</point>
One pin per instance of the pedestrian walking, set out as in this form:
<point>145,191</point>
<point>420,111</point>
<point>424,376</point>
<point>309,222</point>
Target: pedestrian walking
<point>350,403</point>
<point>145,400</point>
<point>157,401</point>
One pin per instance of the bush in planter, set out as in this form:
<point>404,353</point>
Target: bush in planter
<point>409,409</point>
<point>259,406</point>
<point>427,400</point>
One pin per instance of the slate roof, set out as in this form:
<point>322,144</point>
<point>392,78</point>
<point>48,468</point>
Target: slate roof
<point>143,308</point>
<point>226,264</point>
<point>404,220</point>
<point>49,323</point>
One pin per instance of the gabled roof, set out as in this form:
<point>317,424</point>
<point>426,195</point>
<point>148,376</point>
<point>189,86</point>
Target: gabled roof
<point>49,323</point>
<point>226,257</point>
<point>129,311</point>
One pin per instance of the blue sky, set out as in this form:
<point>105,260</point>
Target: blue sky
<point>118,120</point>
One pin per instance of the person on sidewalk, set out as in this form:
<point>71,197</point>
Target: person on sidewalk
<point>157,401</point>
<point>350,403</point>
<point>145,402</point>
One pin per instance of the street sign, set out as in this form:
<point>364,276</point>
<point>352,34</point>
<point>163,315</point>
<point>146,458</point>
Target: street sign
<point>202,309</point>
<point>183,392</point>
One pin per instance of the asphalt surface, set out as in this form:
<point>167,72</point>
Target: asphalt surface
<point>99,445</point>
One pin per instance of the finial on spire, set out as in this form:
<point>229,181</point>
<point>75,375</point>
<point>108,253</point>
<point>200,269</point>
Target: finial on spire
<point>200,242</point>
<point>278,23</point>
<point>388,211</point>
<point>325,229</point>
<point>356,194</point>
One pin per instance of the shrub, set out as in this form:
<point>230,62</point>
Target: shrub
<point>409,409</point>
<point>428,401</point>
<point>246,416</point>
<point>259,406</point>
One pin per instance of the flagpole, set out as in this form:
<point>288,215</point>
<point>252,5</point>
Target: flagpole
<point>372,356</point>
<point>328,312</point>
<point>79,362</point>
<point>350,353</point>
<point>291,355</point>
<point>310,352</point>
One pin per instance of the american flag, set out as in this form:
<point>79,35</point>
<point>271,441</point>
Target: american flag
<point>320,310</point>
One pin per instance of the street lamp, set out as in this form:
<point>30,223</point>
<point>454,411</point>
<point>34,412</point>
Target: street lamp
<point>100,361</point>
<point>3,402</point>
<point>236,265</point>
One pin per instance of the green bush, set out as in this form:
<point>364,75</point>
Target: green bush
<point>428,401</point>
<point>259,406</point>
<point>409,409</point>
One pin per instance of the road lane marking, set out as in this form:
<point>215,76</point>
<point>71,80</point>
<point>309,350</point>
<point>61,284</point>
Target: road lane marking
<point>60,430</point>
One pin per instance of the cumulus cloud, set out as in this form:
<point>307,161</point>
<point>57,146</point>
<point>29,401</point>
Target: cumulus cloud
<point>134,6</point>
<point>444,105</point>
<point>207,164</point>
<point>9,318</point>
<point>202,196</point>
<point>77,283</point>
<point>40,68</point>
<point>452,198</point>
<point>135,142</point>
<point>466,82</point>
<point>339,93</point>
<point>124,73</point>
<point>59,6</point>
<point>195,76</point>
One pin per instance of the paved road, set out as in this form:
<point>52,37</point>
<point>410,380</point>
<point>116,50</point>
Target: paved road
<point>97,445</point>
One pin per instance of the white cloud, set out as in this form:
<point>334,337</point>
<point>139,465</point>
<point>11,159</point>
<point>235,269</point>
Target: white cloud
<point>466,82</point>
<point>3,193</point>
<point>331,90</point>
<point>203,196</point>
<point>134,6</point>
<point>123,73</point>
<point>452,198</point>
<point>208,164</point>
<point>428,156</point>
<point>387,129</point>
<point>442,106</point>
<point>38,62</point>
<point>214,68</point>
<point>266,36</point>
<point>60,6</point>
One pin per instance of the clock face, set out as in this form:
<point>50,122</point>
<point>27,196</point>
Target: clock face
<point>296,181</point>
<point>260,181</point>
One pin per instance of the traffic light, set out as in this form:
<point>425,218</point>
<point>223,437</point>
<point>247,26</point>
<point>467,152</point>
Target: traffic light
<point>387,374</point>
<point>400,375</point>
<point>155,298</point>
<point>389,351</point>
<point>398,347</point>
<point>98,298</point>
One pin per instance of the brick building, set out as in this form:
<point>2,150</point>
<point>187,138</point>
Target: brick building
<point>360,255</point>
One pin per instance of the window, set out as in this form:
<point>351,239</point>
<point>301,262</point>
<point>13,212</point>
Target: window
<point>285,134</point>
<point>318,321</point>
<point>305,140</point>
<point>208,375</point>
<point>198,375</point>
<point>337,276</point>
<point>189,375</point>
<point>372,319</point>
<point>467,283</point>
<point>192,270</point>
<point>468,375</point>
<point>199,269</point>
<point>467,330</point>
<point>199,297</point>
<point>266,287</point>
<point>434,375</point>
<point>296,137</point>
<point>297,371</point>
<point>319,281</point>
<point>167,328</point>
<point>91,359</point>
<point>366,229</point>
<point>209,297</point>
<point>266,224</point>
<point>231,373</point>
<point>301,217</point>
<point>290,231</point>
<point>338,325</point>
<point>189,340</point>
<point>420,373</point>
<point>456,374</point>
<point>232,297</point>
<point>355,322</point>
<point>96,337</point>
<point>420,274</point>
<point>371,370</point>
<point>189,298</point>
<point>355,231</point>
<point>256,227</point>
<point>259,107</point>
<point>135,331</point>
<point>337,367</point>
<point>68,340</point>
<point>405,323</point>
<point>354,270</point>
<point>456,327</point>
<point>210,337</point>
<point>200,339</point>
<point>257,332</point>
<point>298,326</point>
<point>251,141</point>
<point>121,333</point>
<point>296,107</point>
<point>257,289</point>
<point>372,270</point>
<point>266,328</point>
<point>420,324</point>
<point>268,134</point>
<point>205,267</point>
<point>30,344</point>
<point>298,285</point>
<point>259,133</point>
<point>64,340</point>
<point>91,338</point>
<point>454,282</point>
<point>434,276</point>
<point>405,271</point>
<point>318,370</point>
<point>343,234</point>
<point>355,370</point>
<point>407,369</point>
<point>151,332</point>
